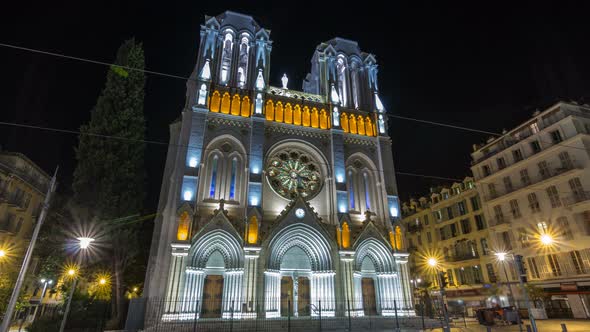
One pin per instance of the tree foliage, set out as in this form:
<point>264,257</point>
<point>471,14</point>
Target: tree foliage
<point>109,177</point>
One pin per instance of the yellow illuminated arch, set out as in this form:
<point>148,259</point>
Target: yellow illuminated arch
<point>361,125</point>
<point>215,101</point>
<point>253,230</point>
<point>279,112</point>
<point>235,105</point>
<point>183,226</point>
<point>315,118</point>
<point>398,238</point>
<point>352,124</point>
<point>225,103</point>
<point>323,119</point>
<point>288,113</point>
<point>297,115</point>
<point>245,107</point>
<point>344,122</point>
<point>368,126</point>
<point>345,236</point>
<point>306,116</point>
<point>270,110</point>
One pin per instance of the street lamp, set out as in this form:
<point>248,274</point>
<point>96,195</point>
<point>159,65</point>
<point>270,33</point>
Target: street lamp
<point>84,243</point>
<point>2,253</point>
<point>502,258</point>
<point>546,239</point>
<point>45,282</point>
<point>433,263</point>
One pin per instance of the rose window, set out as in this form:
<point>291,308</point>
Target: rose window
<point>294,174</point>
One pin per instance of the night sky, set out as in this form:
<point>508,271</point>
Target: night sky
<point>487,67</point>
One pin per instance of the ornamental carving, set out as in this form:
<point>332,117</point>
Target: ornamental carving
<point>293,173</point>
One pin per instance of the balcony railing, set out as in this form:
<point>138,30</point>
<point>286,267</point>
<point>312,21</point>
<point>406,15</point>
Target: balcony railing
<point>576,198</point>
<point>551,173</point>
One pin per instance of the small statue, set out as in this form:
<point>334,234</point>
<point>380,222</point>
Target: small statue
<point>285,80</point>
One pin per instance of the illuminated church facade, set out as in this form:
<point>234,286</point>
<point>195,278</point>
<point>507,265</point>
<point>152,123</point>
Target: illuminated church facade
<point>275,199</point>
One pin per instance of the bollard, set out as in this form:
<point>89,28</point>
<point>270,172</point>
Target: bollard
<point>528,328</point>
<point>563,327</point>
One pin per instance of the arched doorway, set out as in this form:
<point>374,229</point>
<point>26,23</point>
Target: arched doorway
<point>213,286</point>
<point>299,273</point>
<point>368,276</point>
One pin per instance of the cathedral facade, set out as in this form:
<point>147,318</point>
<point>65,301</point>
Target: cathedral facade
<point>274,201</point>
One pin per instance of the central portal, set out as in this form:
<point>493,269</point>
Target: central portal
<point>295,283</point>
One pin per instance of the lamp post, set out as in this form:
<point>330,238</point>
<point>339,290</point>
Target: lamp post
<point>433,263</point>
<point>45,282</point>
<point>84,243</point>
<point>502,258</point>
<point>2,253</point>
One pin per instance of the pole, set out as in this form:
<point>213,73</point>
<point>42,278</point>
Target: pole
<point>320,304</point>
<point>67,311</point>
<point>349,320</point>
<point>28,255</point>
<point>40,301</point>
<point>423,304</point>
<point>446,328</point>
<point>512,296</point>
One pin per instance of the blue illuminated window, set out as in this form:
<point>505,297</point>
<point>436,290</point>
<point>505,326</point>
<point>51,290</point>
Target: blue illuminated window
<point>350,191</point>
<point>232,185</point>
<point>367,193</point>
<point>213,177</point>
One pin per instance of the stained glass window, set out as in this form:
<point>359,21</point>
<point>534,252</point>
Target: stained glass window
<point>293,173</point>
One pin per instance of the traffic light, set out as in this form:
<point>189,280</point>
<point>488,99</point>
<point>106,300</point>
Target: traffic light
<point>444,279</point>
<point>520,268</point>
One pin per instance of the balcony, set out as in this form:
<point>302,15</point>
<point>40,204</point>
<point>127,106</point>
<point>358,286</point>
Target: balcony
<point>546,176</point>
<point>576,198</point>
<point>500,220</point>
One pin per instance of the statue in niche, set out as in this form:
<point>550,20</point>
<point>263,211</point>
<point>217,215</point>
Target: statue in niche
<point>285,80</point>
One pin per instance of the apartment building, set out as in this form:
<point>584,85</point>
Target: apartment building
<point>534,182</point>
<point>450,226</point>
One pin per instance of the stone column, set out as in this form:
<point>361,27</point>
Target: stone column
<point>346,263</point>
<point>232,293</point>
<point>272,293</point>
<point>174,292</point>
<point>193,291</point>
<point>295,295</point>
<point>358,294</point>
<point>388,293</point>
<point>251,255</point>
<point>322,289</point>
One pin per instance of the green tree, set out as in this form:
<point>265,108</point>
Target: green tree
<point>109,177</point>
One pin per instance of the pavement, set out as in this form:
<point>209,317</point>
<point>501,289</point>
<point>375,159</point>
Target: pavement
<point>549,325</point>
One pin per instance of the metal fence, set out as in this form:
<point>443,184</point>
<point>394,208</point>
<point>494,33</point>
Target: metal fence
<point>287,315</point>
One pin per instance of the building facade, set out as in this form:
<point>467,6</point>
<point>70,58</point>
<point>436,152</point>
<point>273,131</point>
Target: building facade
<point>450,226</point>
<point>275,199</point>
<point>23,186</point>
<point>534,181</point>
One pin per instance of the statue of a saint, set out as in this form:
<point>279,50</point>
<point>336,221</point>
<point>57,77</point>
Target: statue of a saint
<point>285,80</point>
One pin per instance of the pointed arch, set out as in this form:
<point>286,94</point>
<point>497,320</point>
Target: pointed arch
<point>369,126</point>
<point>297,115</point>
<point>315,118</point>
<point>352,124</point>
<point>225,103</point>
<point>307,239</point>
<point>215,102</point>
<point>269,109</point>
<point>323,119</point>
<point>183,226</point>
<point>279,113</point>
<point>361,125</point>
<point>345,236</point>
<point>344,122</point>
<point>217,240</point>
<point>252,230</point>
<point>245,111</point>
<point>306,117</point>
<point>288,113</point>
<point>235,105</point>
<point>379,254</point>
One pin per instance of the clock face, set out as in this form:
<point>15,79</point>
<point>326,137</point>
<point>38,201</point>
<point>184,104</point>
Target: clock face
<point>300,213</point>
<point>294,174</point>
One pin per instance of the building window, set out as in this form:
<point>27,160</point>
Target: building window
<point>586,222</point>
<point>543,170</point>
<point>350,191</point>
<point>554,264</point>
<point>506,240</point>
<point>19,225</point>
<point>535,147</point>
<point>564,228</point>
<point>465,226</point>
<point>213,177</point>
<point>486,170</point>
<point>450,213</point>
<point>485,250</point>
<point>470,184</point>
<point>534,203</point>
<point>480,222</point>
<point>451,279</point>
<point>534,128</point>
<point>462,208</point>
<point>524,177</point>
<point>367,191</point>
<point>425,219</point>
<point>475,204</point>
<point>501,163</point>
<point>491,274</point>
<point>454,231</point>
<point>492,190</point>
<point>498,215</point>
<point>419,239</point>
<point>517,155</point>
<point>542,227</point>
<point>438,215</point>
<point>553,196</point>
<point>226,57</point>
<point>533,269</point>
<point>577,260</point>
<point>566,161</point>
<point>515,209</point>
<point>508,184</point>
<point>429,237</point>
<point>577,191</point>
<point>556,137</point>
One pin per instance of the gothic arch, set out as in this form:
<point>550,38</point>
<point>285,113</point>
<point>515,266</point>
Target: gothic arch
<point>305,238</point>
<point>223,176</point>
<point>379,254</point>
<point>221,241</point>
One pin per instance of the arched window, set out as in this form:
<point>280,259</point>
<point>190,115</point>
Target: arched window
<point>344,122</point>
<point>215,102</point>
<point>245,107</point>
<point>235,105</point>
<point>366,180</point>
<point>232,183</point>
<point>368,127</point>
<point>270,110</point>
<point>183,227</point>
<point>297,115</point>
<point>288,113</point>
<point>213,176</point>
<point>252,234</point>
<point>225,103</point>
<point>345,236</point>
<point>323,119</point>
<point>243,62</point>
<point>354,80</point>
<point>361,125</point>
<point>398,238</point>
<point>350,180</point>
<point>306,116</point>
<point>342,80</point>
<point>279,112</point>
<point>315,118</point>
<point>226,58</point>
<point>352,124</point>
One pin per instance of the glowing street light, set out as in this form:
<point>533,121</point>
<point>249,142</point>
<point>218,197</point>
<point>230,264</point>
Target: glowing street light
<point>84,243</point>
<point>2,253</point>
<point>102,281</point>
<point>432,262</point>
<point>546,239</point>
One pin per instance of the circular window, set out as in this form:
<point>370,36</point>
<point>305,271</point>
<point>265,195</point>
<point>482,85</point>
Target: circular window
<point>299,213</point>
<point>294,174</point>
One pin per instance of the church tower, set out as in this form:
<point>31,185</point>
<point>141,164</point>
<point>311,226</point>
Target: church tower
<point>274,198</point>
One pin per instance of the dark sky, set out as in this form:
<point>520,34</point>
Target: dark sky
<point>473,65</point>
